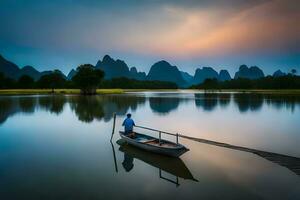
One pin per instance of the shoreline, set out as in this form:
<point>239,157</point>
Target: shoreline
<point>122,91</point>
<point>56,91</point>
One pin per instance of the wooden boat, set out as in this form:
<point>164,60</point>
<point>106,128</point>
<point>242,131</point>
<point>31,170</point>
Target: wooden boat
<point>171,165</point>
<point>155,145</point>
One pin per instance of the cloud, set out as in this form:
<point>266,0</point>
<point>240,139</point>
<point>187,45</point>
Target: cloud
<point>205,30</point>
<point>267,27</point>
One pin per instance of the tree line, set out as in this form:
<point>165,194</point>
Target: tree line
<point>289,81</point>
<point>87,79</point>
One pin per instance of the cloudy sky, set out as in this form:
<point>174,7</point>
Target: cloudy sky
<point>222,34</point>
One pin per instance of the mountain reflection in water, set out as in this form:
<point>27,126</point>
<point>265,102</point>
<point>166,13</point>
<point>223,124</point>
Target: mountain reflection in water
<point>102,107</point>
<point>57,146</point>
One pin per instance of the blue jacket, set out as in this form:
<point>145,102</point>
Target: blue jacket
<point>128,124</point>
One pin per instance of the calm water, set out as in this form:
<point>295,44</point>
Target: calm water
<point>57,147</point>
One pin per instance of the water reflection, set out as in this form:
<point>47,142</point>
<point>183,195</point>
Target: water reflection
<point>207,101</point>
<point>52,104</point>
<point>224,99</point>
<point>282,101</point>
<point>127,162</point>
<point>173,166</point>
<point>8,107</point>
<point>120,106</point>
<point>102,107</point>
<point>78,163</point>
<point>248,102</point>
<point>27,105</point>
<point>164,105</point>
<point>87,108</point>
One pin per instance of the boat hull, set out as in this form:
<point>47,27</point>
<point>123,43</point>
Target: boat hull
<point>175,151</point>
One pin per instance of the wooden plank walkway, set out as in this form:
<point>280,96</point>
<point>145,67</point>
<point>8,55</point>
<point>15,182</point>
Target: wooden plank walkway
<point>290,162</point>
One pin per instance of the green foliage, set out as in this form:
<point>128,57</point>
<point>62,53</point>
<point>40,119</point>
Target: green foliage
<point>269,82</point>
<point>52,80</point>
<point>2,80</point>
<point>88,78</point>
<point>25,81</point>
<point>6,82</point>
<point>125,83</point>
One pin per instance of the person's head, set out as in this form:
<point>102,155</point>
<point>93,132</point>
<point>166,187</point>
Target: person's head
<point>128,115</point>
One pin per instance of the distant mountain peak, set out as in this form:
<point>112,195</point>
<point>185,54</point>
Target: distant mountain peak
<point>224,75</point>
<point>71,74</point>
<point>28,67</point>
<point>113,68</point>
<point>107,58</point>
<point>253,72</point>
<point>133,70</point>
<point>243,67</point>
<point>162,62</point>
<point>164,71</point>
<point>279,73</point>
<point>8,68</point>
<point>205,73</point>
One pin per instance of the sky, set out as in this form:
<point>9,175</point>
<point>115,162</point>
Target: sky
<point>223,34</point>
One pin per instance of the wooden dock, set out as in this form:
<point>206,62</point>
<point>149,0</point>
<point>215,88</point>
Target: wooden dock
<point>290,162</point>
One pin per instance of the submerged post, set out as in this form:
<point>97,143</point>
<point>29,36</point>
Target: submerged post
<point>159,137</point>
<point>113,129</point>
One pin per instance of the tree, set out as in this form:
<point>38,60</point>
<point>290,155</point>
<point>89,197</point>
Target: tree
<point>6,82</point>
<point>25,81</point>
<point>88,78</point>
<point>52,80</point>
<point>2,80</point>
<point>294,71</point>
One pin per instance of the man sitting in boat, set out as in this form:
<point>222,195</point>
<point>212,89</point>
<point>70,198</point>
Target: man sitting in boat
<point>128,125</point>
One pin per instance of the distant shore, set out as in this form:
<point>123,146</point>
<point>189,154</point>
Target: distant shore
<point>121,91</point>
<point>56,91</point>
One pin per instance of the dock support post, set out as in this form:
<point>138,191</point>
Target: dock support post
<point>159,137</point>
<point>176,138</point>
<point>114,123</point>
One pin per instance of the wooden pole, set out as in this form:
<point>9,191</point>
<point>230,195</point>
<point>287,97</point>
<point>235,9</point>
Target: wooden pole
<point>159,137</point>
<point>176,138</point>
<point>114,124</point>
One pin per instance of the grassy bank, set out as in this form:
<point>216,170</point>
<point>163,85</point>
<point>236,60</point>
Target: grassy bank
<point>56,91</point>
<point>258,91</point>
<point>120,91</point>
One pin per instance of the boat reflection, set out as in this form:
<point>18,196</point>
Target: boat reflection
<point>171,165</point>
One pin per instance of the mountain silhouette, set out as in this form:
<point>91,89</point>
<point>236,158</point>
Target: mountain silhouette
<point>71,74</point>
<point>204,73</point>
<point>118,68</point>
<point>8,68</point>
<point>113,68</point>
<point>249,73</point>
<point>134,74</point>
<point>224,75</point>
<point>278,73</point>
<point>163,71</point>
<point>187,77</point>
<point>12,70</point>
<point>30,71</point>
